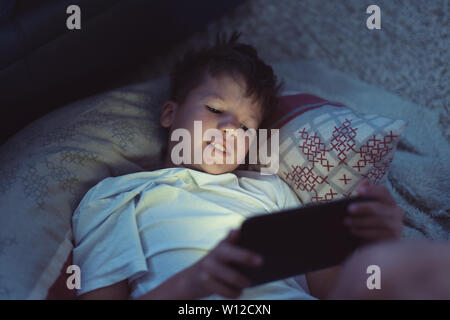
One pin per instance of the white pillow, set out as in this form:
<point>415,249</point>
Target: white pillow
<point>48,167</point>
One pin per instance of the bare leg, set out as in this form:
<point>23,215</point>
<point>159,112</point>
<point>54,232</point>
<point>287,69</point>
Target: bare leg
<point>409,269</point>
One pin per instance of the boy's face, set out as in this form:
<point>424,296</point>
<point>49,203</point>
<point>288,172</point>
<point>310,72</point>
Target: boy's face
<point>219,103</point>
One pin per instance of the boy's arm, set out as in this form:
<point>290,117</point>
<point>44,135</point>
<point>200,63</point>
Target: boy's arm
<point>213,274</point>
<point>170,289</point>
<point>117,291</point>
<point>321,282</point>
<point>372,221</point>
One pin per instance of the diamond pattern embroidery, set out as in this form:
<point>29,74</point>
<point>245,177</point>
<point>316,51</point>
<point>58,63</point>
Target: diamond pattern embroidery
<point>314,149</point>
<point>304,179</point>
<point>344,160</point>
<point>374,151</point>
<point>378,171</point>
<point>343,140</point>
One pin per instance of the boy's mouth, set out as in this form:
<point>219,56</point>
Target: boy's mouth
<point>219,147</point>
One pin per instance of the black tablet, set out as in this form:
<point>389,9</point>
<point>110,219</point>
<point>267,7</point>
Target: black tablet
<point>299,240</point>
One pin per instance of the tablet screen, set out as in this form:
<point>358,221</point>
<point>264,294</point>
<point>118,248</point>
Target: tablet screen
<point>298,240</point>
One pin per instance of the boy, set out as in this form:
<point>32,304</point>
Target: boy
<point>166,234</point>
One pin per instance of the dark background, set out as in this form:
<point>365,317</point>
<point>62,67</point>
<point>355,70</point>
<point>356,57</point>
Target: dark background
<point>43,65</point>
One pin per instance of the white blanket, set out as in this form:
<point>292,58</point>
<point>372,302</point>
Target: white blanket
<point>148,226</point>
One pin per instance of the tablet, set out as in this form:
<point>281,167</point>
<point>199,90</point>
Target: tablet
<point>299,240</point>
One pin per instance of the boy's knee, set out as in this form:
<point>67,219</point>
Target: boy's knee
<point>362,273</point>
<point>395,270</point>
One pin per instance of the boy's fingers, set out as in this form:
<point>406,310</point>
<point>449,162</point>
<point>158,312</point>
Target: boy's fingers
<point>362,184</point>
<point>214,285</point>
<point>387,216</point>
<point>228,253</point>
<point>369,208</point>
<point>383,225</point>
<point>373,233</point>
<point>366,222</point>
<point>232,236</point>
<point>228,275</point>
<point>379,192</point>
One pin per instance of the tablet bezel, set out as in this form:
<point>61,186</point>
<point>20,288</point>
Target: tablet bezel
<point>316,232</point>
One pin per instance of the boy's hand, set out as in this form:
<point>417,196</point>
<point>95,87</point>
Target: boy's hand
<point>375,220</point>
<point>215,274</point>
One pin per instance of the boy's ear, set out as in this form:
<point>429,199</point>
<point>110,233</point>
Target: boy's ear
<point>168,114</point>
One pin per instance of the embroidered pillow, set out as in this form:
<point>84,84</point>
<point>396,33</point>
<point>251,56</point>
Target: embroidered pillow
<point>326,149</point>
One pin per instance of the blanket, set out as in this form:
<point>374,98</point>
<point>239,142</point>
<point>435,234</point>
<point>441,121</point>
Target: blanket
<point>400,71</point>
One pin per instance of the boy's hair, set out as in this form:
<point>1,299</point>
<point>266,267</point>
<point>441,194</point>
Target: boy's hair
<point>226,56</point>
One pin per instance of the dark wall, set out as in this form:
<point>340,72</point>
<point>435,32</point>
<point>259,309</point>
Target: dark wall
<point>43,65</point>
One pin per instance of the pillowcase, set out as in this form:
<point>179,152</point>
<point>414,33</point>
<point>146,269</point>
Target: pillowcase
<point>48,167</point>
<point>326,149</point>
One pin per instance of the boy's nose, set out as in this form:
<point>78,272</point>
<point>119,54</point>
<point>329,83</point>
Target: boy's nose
<point>228,123</point>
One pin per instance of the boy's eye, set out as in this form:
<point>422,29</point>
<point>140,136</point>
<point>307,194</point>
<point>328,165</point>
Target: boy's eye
<point>212,109</point>
<point>245,128</point>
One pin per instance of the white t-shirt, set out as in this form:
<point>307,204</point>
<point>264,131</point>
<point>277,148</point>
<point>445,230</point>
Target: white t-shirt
<point>148,226</point>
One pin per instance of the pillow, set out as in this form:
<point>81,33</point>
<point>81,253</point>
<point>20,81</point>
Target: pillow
<point>326,149</point>
<point>48,167</point>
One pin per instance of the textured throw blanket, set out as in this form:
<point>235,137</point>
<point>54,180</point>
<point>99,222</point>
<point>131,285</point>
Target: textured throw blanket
<point>408,56</point>
<point>419,175</point>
